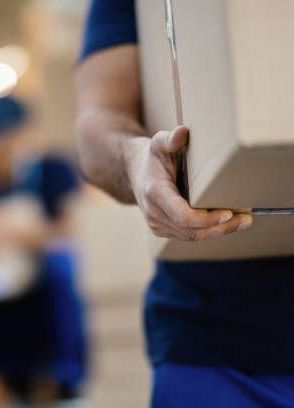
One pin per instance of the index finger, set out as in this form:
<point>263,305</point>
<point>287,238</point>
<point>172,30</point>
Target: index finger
<point>182,215</point>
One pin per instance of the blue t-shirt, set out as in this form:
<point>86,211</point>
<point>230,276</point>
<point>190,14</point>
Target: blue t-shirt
<point>233,313</point>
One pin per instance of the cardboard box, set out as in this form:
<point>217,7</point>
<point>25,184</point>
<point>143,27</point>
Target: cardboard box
<point>225,68</point>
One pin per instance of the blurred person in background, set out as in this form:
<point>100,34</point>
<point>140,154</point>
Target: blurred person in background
<point>219,334</point>
<point>42,341</point>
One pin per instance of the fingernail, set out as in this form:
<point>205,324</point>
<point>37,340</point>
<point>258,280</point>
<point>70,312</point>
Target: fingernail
<point>226,216</point>
<point>246,222</point>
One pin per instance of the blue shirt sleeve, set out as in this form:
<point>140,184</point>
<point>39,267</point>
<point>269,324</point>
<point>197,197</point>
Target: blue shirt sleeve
<point>109,23</point>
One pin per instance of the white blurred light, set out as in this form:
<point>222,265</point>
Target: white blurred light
<point>8,79</point>
<point>17,57</point>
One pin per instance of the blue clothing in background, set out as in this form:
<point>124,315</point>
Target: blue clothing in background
<point>13,114</point>
<point>43,330</point>
<point>51,180</point>
<point>64,326</point>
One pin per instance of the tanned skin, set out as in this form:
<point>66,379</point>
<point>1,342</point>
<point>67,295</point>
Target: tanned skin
<point>117,155</point>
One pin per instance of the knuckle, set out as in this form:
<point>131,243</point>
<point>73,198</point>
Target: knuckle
<point>149,214</point>
<point>230,230</point>
<point>182,221</point>
<point>147,206</point>
<point>153,226</point>
<point>154,142</point>
<point>158,140</point>
<point>153,223</point>
<point>150,190</point>
<point>193,236</point>
<point>159,233</point>
<point>209,221</point>
<point>206,220</point>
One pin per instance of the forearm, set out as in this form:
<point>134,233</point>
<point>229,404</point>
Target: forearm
<point>116,155</point>
<point>106,141</point>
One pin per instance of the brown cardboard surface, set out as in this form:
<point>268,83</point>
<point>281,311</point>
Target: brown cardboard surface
<point>236,65</point>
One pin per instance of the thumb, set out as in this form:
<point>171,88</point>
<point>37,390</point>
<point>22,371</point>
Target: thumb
<point>177,139</point>
<point>170,142</point>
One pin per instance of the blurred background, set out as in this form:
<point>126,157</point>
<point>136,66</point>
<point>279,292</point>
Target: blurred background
<point>103,257</point>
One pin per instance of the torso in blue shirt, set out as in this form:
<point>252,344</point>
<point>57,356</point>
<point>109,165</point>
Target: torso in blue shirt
<point>237,314</point>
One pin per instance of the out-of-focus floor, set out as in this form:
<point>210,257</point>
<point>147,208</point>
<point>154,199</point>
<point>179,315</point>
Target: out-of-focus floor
<point>121,377</point>
<point>117,266</point>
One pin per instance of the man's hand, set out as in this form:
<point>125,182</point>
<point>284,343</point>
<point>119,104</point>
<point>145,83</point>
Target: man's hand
<point>152,171</point>
<point>117,158</point>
